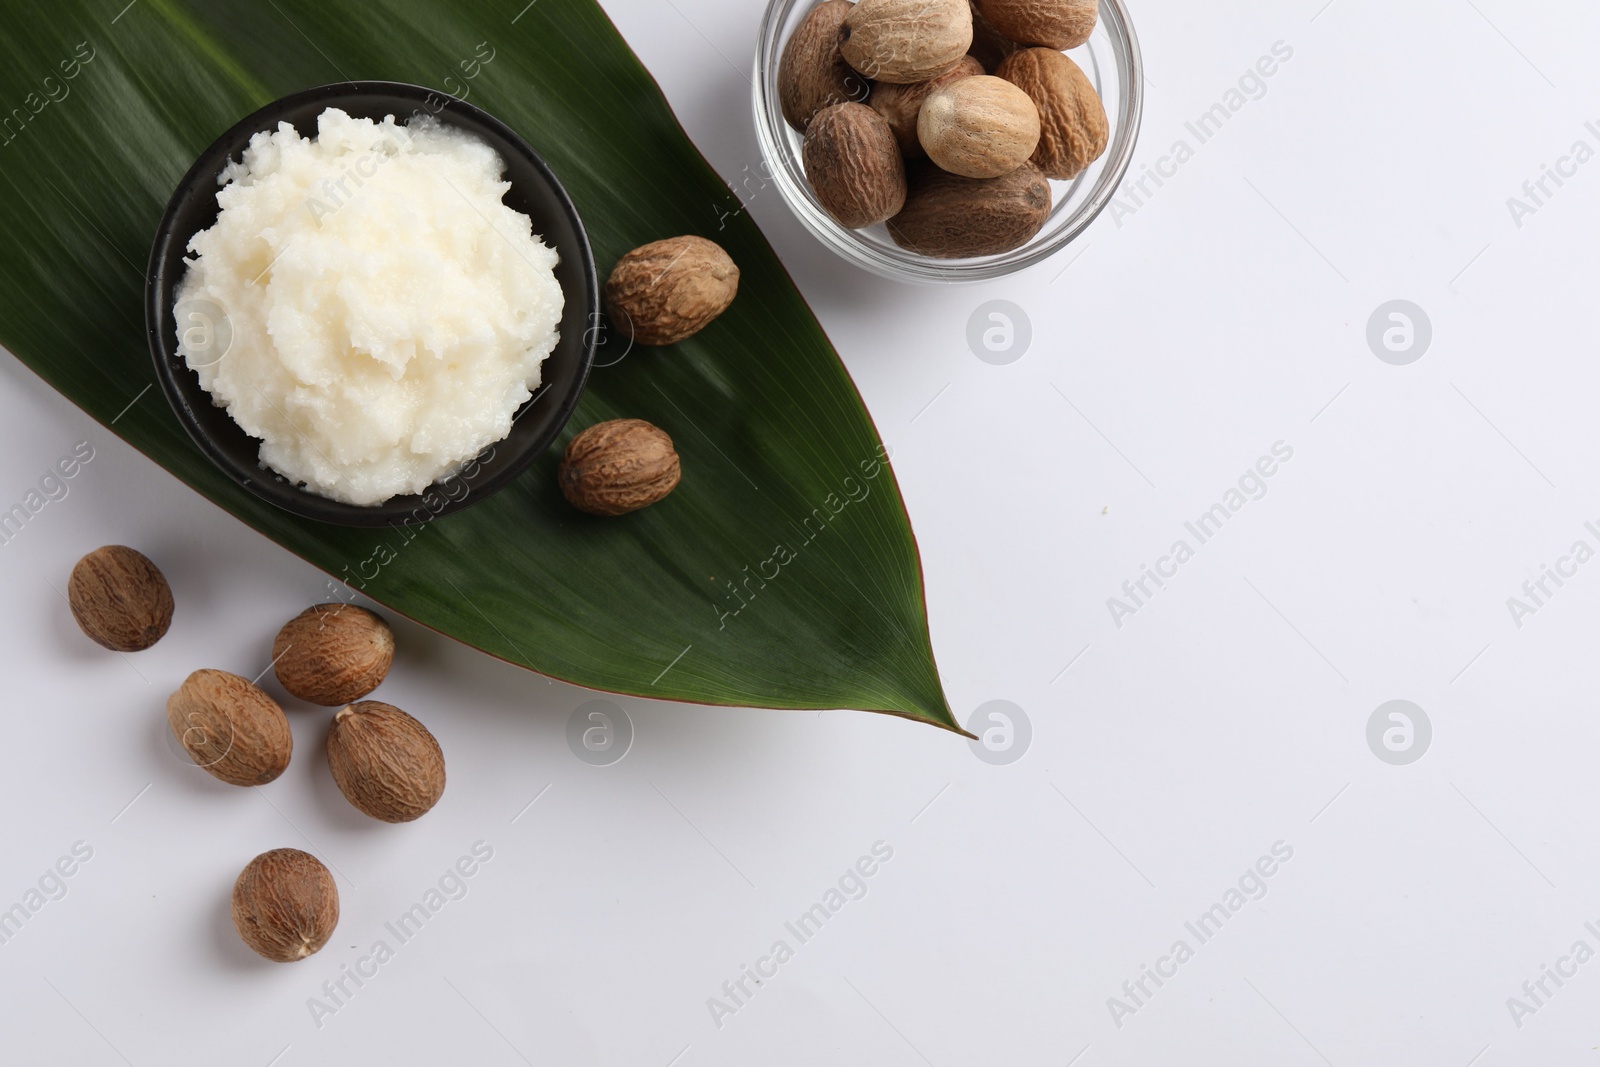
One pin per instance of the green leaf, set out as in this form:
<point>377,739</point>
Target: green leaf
<point>692,599</point>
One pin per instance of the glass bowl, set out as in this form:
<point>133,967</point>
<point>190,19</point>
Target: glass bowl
<point>1111,60</point>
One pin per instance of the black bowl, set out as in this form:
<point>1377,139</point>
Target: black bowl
<point>534,191</point>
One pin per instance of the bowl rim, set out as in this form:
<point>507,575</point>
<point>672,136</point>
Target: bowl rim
<point>442,497</point>
<point>785,171</point>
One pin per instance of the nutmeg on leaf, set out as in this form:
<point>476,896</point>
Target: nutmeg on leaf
<point>668,291</point>
<point>619,466</point>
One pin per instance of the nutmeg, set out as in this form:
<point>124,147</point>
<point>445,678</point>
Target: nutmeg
<point>331,654</point>
<point>385,762</point>
<point>906,41</point>
<point>120,599</point>
<point>979,127</point>
<point>230,728</point>
<point>285,904</point>
<point>668,291</point>
<point>950,217</point>
<point>812,74</point>
<point>854,165</point>
<point>1073,126</point>
<point>989,45</point>
<point>619,466</point>
<point>901,104</point>
<point>1054,24</point>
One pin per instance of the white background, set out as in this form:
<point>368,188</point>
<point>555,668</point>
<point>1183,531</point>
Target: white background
<point>1230,713</point>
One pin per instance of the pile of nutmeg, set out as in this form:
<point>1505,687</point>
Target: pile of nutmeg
<point>657,295</point>
<point>905,125</point>
<point>285,904</point>
<point>386,763</point>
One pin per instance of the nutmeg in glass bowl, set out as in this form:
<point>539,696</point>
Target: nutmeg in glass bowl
<point>1111,61</point>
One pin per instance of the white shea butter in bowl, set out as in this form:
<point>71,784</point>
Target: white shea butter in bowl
<point>387,313</point>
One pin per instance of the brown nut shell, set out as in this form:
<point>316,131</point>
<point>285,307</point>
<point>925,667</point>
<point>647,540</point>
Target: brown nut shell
<point>619,466</point>
<point>230,728</point>
<point>854,165</point>
<point>331,654</point>
<point>668,291</point>
<point>285,904</point>
<point>120,599</point>
<point>901,104</point>
<point>989,45</point>
<point>1054,24</point>
<point>906,41</point>
<point>1072,119</point>
<point>950,217</point>
<point>979,127</point>
<point>385,762</point>
<point>812,74</point>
